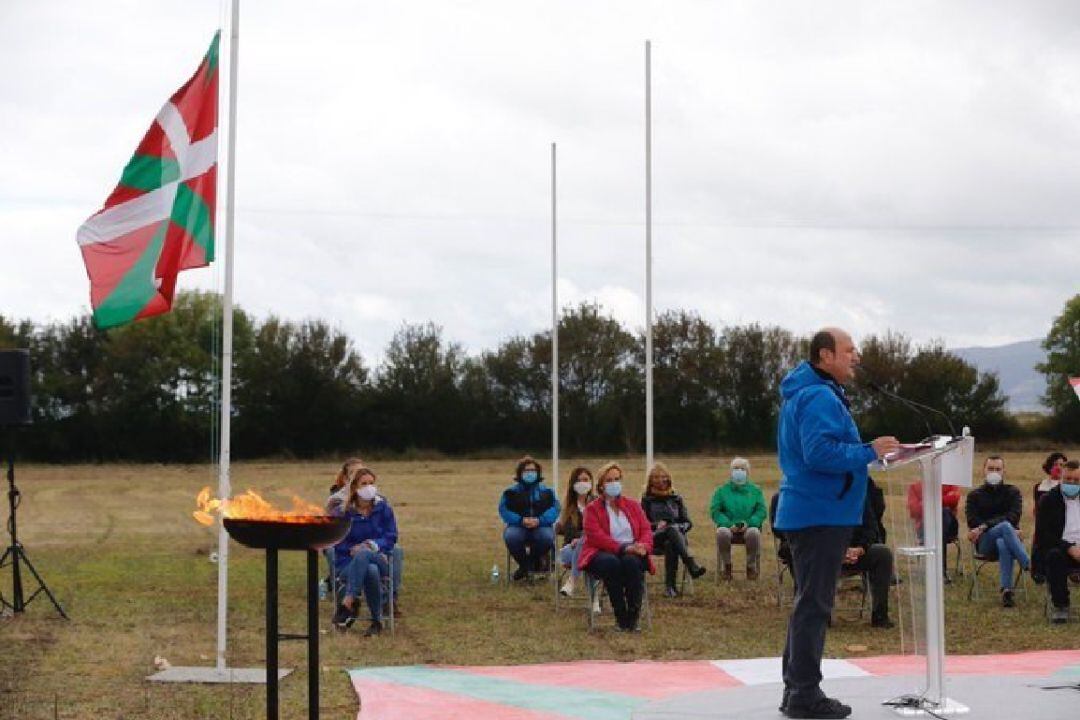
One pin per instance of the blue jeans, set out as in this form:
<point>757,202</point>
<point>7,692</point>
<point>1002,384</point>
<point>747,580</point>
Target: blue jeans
<point>365,572</point>
<point>1002,542</point>
<point>568,555</point>
<point>537,541</point>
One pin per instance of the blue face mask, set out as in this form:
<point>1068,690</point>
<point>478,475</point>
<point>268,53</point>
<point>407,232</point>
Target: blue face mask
<point>738,476</point>
<point>1069,490</point>
<point>613,488</point>
<point>529,477</point>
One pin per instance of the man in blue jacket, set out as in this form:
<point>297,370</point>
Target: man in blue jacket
<point>824,461</point>
<point>529,508</point>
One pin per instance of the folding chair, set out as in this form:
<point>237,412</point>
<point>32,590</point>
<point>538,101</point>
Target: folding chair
<point>735,540</point>
<point>337,587</point>
<point>1074,608</point>
<point>978,562</point>
<point>857,581</point>
<point>684,579</point>
<point>548,569</point>
<point>782,570</point>
<point>598,598</point>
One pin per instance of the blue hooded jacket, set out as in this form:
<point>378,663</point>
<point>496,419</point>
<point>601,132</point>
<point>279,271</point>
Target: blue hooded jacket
<point>522,500</point>
<point>822,456</point>
<point>380,526</point>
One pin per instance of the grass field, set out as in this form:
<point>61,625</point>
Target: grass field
<point>118,546</point>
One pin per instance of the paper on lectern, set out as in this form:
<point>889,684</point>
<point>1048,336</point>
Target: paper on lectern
<point>958,464</point>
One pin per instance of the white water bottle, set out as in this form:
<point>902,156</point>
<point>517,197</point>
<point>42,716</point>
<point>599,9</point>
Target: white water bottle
<point>495,574</point>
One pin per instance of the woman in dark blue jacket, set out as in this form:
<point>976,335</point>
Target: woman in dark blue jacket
<point>361,556</point>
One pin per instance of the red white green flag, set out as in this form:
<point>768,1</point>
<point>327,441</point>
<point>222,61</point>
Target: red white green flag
<point>1075,382</point>
<point>160,218</point>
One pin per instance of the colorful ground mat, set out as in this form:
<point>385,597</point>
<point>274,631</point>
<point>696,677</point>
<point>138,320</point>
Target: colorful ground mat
<point>603,690</point>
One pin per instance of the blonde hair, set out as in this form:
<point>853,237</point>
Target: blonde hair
<point>657,469</point>
<point>604,470</point>
<point>741,462</point>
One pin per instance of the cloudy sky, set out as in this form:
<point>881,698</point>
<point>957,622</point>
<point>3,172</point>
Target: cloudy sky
<point>910,166</point>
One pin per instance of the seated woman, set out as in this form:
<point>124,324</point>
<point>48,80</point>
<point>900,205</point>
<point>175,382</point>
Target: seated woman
<point>618,545</point>
<point>339,495</point>
<point>670,523</point>
<point>1054,467</point>
<point>950,504</point>
<point>529,509</point>
<point>738,509</point>
<point>361,556</point>
<point>579,493</point>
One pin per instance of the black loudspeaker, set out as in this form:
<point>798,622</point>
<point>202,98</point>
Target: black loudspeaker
<point>14,387</point>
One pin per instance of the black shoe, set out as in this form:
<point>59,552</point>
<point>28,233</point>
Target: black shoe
<point>696,570</point>
<point>1007,599</point>
<point>1038,578</point>
<point>826,708</point>
<point>375,628</point>
<point>344,617</point>
<point>671,592</point>
<point>882,621</point>
<point>521,573</point>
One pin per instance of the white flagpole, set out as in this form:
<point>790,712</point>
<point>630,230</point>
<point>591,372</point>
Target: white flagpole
<point>228,238</point>
<point>648,262</point>
<point>554,338</point>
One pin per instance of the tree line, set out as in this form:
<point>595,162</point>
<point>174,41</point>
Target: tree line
<point>150,391</point>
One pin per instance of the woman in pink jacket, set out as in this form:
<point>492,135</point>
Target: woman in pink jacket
<point>618,546</point>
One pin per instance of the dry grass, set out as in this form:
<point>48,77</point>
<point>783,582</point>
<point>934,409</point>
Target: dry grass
<point>118,546</point>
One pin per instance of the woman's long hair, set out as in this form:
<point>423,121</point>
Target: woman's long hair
<point>658,468</point>
<point>353,503</point>
<point>347,471</point>
<point>569,514</point>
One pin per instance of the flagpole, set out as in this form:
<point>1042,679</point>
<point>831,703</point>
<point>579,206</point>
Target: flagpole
<point>648,262</point>
<point>554,337</point>
<point>224,485</point>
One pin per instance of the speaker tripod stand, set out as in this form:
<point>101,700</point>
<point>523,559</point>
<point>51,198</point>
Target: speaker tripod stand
<point>16,557</point>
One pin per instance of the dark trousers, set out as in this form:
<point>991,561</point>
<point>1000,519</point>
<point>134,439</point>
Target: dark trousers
<point>672,542</point>
<point>877,563</point>
<point>817,554</point>
<point>1058,568</point>
<point>624,577</point>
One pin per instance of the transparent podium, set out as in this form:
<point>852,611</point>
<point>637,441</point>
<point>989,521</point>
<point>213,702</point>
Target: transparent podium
<point>942,460</point>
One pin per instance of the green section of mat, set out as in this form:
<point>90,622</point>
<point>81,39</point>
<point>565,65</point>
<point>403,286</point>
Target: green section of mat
<point>567,701</point>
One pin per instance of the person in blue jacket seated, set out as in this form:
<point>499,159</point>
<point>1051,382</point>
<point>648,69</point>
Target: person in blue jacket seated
<point>361,557</point>
<point>529,509</point>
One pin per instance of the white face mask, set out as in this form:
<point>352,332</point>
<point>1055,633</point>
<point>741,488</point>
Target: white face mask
<point>582,487</point>
<point>367,493</point>
<point>993,478</point>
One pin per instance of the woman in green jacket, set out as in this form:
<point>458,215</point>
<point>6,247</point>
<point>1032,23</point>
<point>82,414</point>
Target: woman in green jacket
<point>738,509</point>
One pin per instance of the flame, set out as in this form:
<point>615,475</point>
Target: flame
<point>252,506</point>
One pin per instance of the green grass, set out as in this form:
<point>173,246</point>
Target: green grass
<point>118,546</point>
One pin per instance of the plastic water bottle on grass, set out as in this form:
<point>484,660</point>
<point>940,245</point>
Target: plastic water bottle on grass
<point>495,574</point>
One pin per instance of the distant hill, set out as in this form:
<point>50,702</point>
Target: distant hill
<point>1015,365</point>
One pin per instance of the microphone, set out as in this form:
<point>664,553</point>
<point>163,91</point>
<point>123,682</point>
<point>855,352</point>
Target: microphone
<point>911,404</point>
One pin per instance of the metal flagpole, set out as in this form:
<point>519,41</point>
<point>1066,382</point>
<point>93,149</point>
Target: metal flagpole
<point>224,485</point>
<point>648,262</point>
<point>554,337</point>
<point>221,673</point>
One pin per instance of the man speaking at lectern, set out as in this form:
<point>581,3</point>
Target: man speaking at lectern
<point>823,460</point>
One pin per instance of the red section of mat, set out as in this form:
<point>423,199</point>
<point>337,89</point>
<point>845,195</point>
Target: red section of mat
<point>643,678</point>
<point>390,701</point>
<point>1042,663</point>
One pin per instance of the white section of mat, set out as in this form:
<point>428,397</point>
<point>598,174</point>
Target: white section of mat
<point>761,671</point>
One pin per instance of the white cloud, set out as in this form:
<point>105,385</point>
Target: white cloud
<point>908,166</point>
